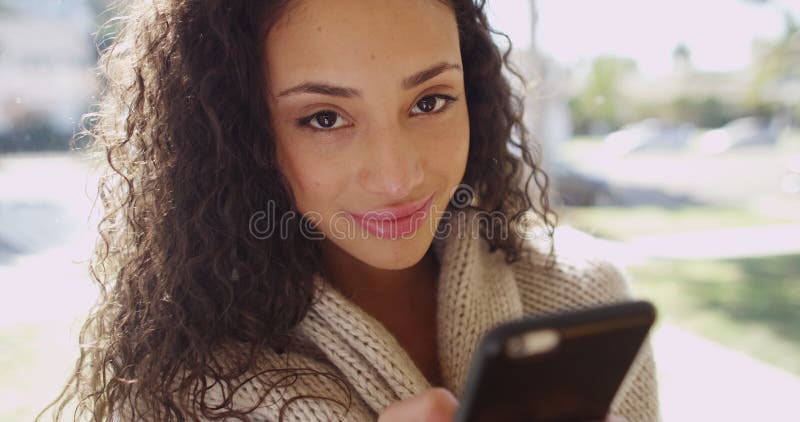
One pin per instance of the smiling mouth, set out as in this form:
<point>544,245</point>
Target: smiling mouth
<point>396,212</point>
<point>395,222</point>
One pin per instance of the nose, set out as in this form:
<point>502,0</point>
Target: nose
<point>392,166</point>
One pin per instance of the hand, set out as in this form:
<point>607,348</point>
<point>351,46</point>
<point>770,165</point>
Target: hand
<point>612,418</point>
<point>433,405</point>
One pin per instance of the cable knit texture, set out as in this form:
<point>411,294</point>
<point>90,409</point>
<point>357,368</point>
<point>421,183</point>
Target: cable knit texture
<point>477,290</point>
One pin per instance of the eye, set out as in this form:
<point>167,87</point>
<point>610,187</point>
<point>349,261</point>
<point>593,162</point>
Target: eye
<point>432,104</point>
<point>323,120</point>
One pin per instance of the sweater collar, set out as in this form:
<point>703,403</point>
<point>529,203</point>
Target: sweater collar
<point>476,290</point>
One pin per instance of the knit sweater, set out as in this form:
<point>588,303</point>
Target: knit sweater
<point>352,366</point>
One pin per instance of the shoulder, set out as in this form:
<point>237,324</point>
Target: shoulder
<point>585,272</point>
<point>582,272</point>
<point>293,385</point>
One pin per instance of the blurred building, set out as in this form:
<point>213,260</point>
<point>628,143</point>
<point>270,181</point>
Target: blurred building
<point>685,82</point>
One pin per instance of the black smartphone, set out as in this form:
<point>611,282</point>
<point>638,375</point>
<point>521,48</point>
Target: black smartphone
<point>556,368</point>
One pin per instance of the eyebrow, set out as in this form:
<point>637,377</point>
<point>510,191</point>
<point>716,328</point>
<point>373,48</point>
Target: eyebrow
<point>345,92</point>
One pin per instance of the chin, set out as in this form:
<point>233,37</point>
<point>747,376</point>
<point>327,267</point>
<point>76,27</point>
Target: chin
<point>388,254</point>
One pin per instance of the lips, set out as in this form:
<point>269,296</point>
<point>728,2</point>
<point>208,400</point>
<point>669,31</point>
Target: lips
<point>394,222</point>
<point>394,213</point>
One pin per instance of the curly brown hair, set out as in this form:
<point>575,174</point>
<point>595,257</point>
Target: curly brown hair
<point>190,157</point>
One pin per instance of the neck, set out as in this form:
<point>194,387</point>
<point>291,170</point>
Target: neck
<point>404,301</point>
<point>378,291</point>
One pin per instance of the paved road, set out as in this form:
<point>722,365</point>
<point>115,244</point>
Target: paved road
<point>748,177</point>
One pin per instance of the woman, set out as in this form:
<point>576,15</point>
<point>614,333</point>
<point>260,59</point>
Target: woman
<point>290,230</point>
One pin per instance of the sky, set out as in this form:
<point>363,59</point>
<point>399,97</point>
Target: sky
<point>718,33</point>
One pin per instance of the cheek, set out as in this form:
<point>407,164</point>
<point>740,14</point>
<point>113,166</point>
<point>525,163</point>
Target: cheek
<point>313,183</point>
<point>448,154</point>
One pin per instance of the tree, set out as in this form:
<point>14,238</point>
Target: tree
<point>599,103</point>
<point>777,65</point>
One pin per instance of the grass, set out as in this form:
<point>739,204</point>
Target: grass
<point>35,360</point>
<point>16,355</point>
<point>620,223</point>
<point>752,304</point>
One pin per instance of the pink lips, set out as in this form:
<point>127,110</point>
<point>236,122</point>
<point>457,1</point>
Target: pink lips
<point>394,222</point>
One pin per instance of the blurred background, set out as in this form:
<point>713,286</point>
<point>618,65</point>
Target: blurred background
<point>670,129</point>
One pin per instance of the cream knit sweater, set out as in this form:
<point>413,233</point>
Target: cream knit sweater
<point>476,291</point>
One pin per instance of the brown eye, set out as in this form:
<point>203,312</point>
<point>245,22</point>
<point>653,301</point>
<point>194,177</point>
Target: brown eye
<point>432,104</point>
<point>427,104</point>
<point>325,119</point>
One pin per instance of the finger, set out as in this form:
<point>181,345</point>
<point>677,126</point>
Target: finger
<point>439,405</point>
<point>435,405</point>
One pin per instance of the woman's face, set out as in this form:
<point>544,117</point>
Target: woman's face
<point>368,106</point>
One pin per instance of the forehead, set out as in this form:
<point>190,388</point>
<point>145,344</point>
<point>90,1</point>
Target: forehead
<point>346,40</point>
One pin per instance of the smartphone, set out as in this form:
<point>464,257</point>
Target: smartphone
<point>556,368</point>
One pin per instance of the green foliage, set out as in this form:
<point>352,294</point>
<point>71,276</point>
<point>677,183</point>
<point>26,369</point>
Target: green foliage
<point>705,112</point>
<point>775,65</point>
<point>600,102</point>
<point>599,107</point>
